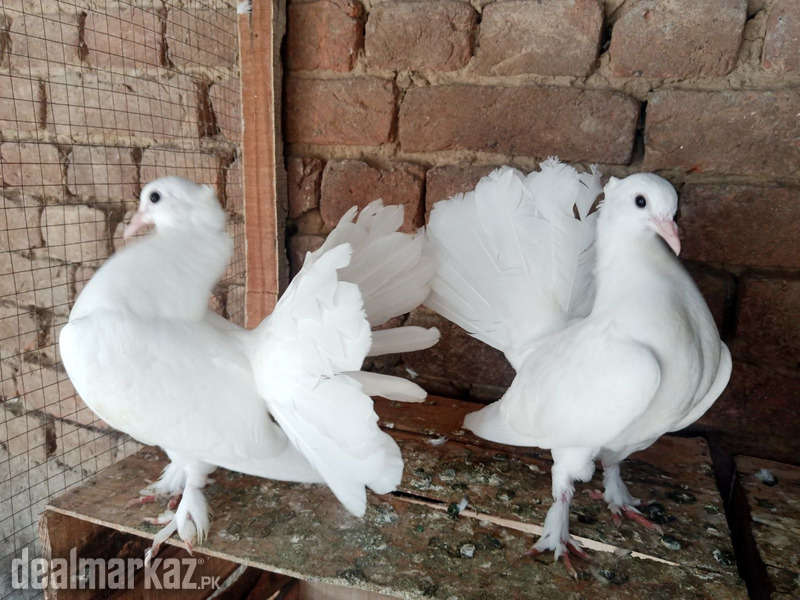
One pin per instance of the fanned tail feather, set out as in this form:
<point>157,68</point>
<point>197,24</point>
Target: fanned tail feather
<point>515,237</point>
<point>388,386</point>
<point>402,339</point>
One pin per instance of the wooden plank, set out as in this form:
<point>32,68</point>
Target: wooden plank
<point>264,175</point>
<point>313,590</point>
<point>64,536</point>
<point>680,489</point>
<point>772,494</point>
<point>400,549</point>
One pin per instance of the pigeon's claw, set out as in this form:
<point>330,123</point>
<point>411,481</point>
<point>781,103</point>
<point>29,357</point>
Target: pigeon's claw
<point>632,514</point>
<point>595,494</point>
<point>565,551</point>
<point>141,500</point>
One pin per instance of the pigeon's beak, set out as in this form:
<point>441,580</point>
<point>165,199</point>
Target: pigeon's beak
<point>668,230</point>
<point>138,222</point>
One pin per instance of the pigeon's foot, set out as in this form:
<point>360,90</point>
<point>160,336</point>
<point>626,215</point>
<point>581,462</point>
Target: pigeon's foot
<point>141,500</point>
<point>631,513</point>
<point>192,517</point>
<point>563,549</point>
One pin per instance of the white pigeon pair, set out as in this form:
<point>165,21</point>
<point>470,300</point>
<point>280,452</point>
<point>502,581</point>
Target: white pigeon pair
<point>148,356</point>
<point>611,340</point>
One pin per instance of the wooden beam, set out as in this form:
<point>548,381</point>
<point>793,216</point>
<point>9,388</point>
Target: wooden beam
<point>264,174</point>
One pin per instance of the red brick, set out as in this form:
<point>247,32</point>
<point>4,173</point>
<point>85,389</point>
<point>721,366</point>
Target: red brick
<point>566,34</point>
<point>42,40</point>
<point>128,38</point>
<point>304,177</point>
<point>202,38</point>
<point>420,35</point>
<point>741,225</point>
<point>102,172</point>
<point>34,167</point>
<point>574,124</point>
<point>735,132</point>
<point>717,288</point>
<point>767,328</point>
<point>457,357</point>
<point>347,183</point>
<point>81,104</point>
<point>758,412</point>
<point>298,246</point>
<point>344,111</point>
<point>192,165</point>
<point>325,35</point>
<point>782,43</point>
<point>678,38</point>
<point>442,183</point>
<point>19,103</point>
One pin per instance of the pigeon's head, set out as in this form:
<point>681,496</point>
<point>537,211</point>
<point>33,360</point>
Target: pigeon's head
<point>643,202</point>
<point>172,203</point>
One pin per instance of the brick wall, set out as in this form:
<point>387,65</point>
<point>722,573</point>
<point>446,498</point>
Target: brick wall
<point>413,101</point>
<point>96,99</point>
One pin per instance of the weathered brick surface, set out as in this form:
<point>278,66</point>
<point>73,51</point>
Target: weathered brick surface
<point>205,38</point>
<point>758,412</point>
<point>20,106</point>
<point>345,111</point>
<point>742,132</point>
<point>678,38</point>
<point>547,38</point>
<point>42,40</point>
<point>304,178</point>
<point>442,183</point>
<point>741,225</point>
<point>102,173</point>
<point>86,103</point>
<point>127,37</point>
<point>76,234</point>
<point>19,228</point>
<point>457,356</point>
<point>324,35</point>
<point>225,97</point>
<point>298,246</point>
<point>717,287</point>
<point>574,124</point>
<point>41,282</point>
<point>766,329</point>
<point>34,166</point>
<point>347,183</point>
<point>195,166</point>
<point>782,43</point>
<point>420,35</point>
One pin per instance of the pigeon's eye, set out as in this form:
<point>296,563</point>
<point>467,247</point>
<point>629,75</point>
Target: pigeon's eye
<point>641,201</point>
<point>155,197</point>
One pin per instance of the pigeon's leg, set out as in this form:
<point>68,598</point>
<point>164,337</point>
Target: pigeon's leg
<point>569,464</point>
<point>619,499</point>
<point>170,484</point>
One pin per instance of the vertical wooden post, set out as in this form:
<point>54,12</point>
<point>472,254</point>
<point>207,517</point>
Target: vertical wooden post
<point>264,185</point>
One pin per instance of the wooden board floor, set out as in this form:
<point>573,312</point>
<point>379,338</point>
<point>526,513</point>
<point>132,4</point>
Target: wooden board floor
<point>409,546</point>
<point>772,493</point>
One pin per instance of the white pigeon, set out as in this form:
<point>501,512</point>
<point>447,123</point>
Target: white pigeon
<point>147,355</point>
<point>612,342</point>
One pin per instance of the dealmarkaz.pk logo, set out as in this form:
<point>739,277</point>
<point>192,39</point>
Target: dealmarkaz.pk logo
<point>109,573</point>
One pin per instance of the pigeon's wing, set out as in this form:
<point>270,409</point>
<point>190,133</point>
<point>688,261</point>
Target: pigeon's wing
<point>182,385</point>
<point>300,355</point>
<point>575,389</point>
<point>513,263</point>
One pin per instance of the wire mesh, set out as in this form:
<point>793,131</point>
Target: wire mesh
<point>97,97</point>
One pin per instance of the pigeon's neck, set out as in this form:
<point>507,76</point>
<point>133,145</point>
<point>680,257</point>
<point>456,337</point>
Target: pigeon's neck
<point>629,264</point>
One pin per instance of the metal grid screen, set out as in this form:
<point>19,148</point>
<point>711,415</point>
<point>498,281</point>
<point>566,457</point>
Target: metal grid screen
<point>97,97</point>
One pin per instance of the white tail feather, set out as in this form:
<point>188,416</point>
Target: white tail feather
<point>515,237</point>
<point>402,339</point>
<point>388,386</point>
